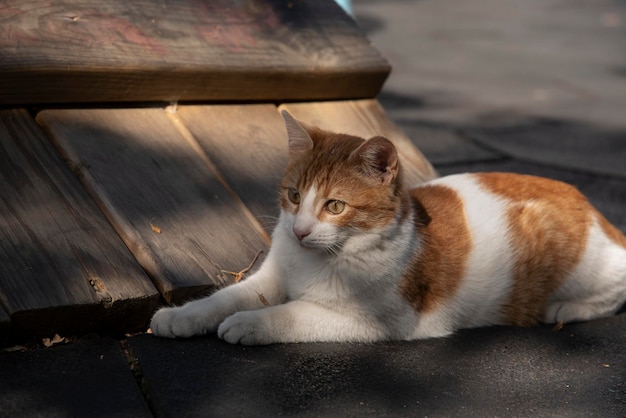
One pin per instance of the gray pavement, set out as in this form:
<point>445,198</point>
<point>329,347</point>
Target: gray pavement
<point>533,86</point>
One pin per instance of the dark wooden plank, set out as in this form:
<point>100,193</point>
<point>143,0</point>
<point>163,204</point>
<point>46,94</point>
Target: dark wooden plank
<point>248,144</point>
<point>159,192</point>
<point>94,51</point>
<point>62,267</point>
<point>365,118</point>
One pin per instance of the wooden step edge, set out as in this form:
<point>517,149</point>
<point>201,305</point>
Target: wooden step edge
<point>80,87</point>
<point>118,318</point>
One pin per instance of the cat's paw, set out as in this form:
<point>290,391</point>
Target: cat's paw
<point>176,323</point>
<point>247,328</point>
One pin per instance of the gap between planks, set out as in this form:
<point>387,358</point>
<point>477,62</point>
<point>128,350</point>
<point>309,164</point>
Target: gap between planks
<point>195,145</point>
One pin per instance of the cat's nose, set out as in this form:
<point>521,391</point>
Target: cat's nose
<point>301,233</point>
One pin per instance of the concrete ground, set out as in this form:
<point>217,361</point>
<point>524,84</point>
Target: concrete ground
<point>533,86</point>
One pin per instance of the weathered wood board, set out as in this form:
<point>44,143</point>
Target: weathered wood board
<point>365,118</point>
<point>169,50</point>
<point>248,144</point>
<point>158,191</point>
<point>62,267</point>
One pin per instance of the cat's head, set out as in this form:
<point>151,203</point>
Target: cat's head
<point>338,187</point>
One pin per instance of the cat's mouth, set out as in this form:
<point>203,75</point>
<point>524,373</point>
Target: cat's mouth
<point>308,245</point>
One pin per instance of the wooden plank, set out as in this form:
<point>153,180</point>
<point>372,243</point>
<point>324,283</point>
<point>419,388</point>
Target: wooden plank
<point>159,192</point>
<point>365,118</point>
<point>145,50</point>
<point>248,144</point>
<point>62,267</point>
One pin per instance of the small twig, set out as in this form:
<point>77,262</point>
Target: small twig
<point>239,275</point>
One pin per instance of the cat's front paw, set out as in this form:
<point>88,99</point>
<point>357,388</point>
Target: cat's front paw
<point>247,328</point>
<point>175,323</point>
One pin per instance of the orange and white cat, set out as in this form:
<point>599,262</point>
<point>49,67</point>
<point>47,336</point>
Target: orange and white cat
<point>356,256</point>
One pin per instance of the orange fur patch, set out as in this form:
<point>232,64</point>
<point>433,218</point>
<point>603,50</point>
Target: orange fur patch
<point>435,272</point>
<point>549,223</point>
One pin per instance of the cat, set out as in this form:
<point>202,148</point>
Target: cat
<point>358,257</point>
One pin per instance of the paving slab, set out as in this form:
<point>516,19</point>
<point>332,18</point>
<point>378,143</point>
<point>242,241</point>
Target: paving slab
<point>503,371</point>
<point>468,62</point>
<point>567,144</point>
<point>90,378</point>
<point>547,71</point>
<point>439,142</point>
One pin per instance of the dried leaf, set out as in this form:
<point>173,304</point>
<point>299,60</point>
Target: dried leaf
<point>154,228</point>
<point>49,342</point>
<point>14,349</point>
<point>558,326</point>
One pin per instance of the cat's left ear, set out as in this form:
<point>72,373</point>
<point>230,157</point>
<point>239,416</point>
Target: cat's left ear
<point>299,139</point>
<point>378,158</point>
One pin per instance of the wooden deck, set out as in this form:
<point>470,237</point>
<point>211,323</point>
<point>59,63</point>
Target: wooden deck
<point>106,212</point>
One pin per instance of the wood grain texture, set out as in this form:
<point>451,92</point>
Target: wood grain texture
<point>248,144</point>
<point>168,50</point>
<point>159,193</point>
<point>62,266</point>
<point>365,118</point>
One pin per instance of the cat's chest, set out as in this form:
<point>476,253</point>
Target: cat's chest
<point>317,280</point>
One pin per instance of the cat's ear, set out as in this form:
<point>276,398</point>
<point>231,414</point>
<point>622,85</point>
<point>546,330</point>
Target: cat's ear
<point>299,139</point>
<point>378,158</point>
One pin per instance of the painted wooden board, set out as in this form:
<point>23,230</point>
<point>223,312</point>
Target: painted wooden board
<point>365,118</point>
<point>62,267</point>
<point>248,144</point>
<point>160,194</point>
<point>168,50</point>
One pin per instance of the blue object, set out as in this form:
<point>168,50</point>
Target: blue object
<point>346,5</point>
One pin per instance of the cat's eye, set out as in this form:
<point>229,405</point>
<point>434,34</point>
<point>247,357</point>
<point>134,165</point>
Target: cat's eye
<point>293,195</point>
<point>335,206</point>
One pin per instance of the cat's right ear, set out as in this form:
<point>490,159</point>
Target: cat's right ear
<point>299,139</point>
<point>378,158</point>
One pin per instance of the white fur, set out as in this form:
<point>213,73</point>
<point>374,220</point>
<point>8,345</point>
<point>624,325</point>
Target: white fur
<point>321,291</point>
<point>487,281</point>
<point>597,287</point>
